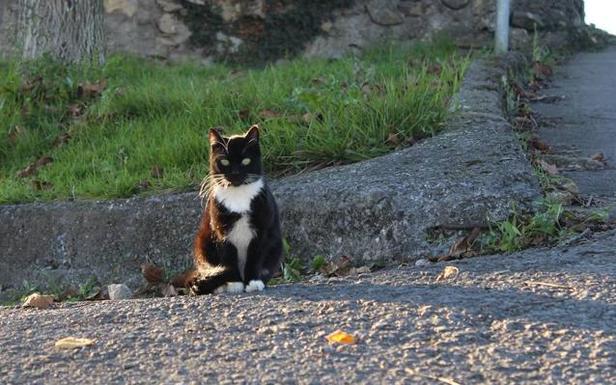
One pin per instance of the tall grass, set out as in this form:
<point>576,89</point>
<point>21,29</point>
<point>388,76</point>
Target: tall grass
<point>144,131</point>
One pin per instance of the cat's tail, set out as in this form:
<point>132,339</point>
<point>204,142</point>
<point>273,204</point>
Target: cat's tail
<point>206,279</point>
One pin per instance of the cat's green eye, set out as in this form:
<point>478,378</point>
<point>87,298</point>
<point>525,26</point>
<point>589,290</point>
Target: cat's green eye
<point>246,161</point>
<point>225,162</point>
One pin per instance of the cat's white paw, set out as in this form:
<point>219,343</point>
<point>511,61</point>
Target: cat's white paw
<point>220,289</point>
<point>235,287</point>
<point>255,285</point>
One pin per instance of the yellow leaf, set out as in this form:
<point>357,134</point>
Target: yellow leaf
<point>38,301</point>
<point>449,272</point>
<point>73,342</point>
<point>341,337</point>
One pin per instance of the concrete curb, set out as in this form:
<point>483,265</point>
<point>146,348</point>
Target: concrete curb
<point>380,209</point>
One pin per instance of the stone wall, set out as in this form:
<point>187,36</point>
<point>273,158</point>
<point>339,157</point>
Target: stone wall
<point>252,31</point>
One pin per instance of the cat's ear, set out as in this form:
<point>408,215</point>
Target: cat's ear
<point>253,133</point>
<point>214,136</point>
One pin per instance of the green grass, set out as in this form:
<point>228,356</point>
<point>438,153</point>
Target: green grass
<point>153,116</point>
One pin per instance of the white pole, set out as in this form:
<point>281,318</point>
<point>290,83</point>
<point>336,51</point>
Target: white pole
<point>503,9</point>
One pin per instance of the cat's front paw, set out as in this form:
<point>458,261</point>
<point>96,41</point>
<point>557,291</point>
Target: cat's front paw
<point>255,285</point>
<point>235,287</point>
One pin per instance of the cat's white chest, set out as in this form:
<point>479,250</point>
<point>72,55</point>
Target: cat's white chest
<point>240,236</point>
<point>238,200</point>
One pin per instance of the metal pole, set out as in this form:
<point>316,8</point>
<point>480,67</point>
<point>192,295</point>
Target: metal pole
<point>503,9</point>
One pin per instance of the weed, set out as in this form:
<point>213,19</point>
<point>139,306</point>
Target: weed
<point>521,231</point>
<point>318,262</point>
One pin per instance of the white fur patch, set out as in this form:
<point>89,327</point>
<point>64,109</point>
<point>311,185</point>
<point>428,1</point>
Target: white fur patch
<point>238,198</point>
<point>255,285</point>
<point>240,236</point>
<point>235,287</point>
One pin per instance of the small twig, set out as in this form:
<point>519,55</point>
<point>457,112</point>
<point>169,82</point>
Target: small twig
<point>444,380</point>
<point>548,284</point>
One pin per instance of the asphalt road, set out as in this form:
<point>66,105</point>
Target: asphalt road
<point>541,316</point>
<point>583,123</point>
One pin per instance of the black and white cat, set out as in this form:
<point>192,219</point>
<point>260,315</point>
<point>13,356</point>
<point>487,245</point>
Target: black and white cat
<point>239,244</point>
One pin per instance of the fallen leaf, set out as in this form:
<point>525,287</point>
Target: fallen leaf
<point>89,90</point>
<point>152,273</point>
<point>393,139</point>
<point>435,69</point>
<point>73,342</point>
<point>75,109</point>
<point>168,290</point>
<point>550,168</point>
<point>33,167</point>
<point>29,84</point>
<point>39,301</point>
<point>340,267</point>
<point>157,172</point>
<point>464,244</point>
<point>30,170</point>
<point>542,71</point>
<point>40,185</point>
<point>14,133</point>
<point>359,270</point>
<point>449,272</point>
<point>341,337</point>
<point>244,114</point>
<point>310,117</point>
<point>537,144</point>
<point>62,139</point>
<point>143,185</point>
<point>268,114</point>
<point>599,157</point>
<point>44,160</point>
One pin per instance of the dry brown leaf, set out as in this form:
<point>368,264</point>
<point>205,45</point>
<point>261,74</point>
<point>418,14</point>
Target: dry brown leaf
<point>244,114</point>
<point>40,185</point>
<point>537,144</point>
<point>152,273</point>
<point>73,342</point>
<point>39,301</point>
<point>91,89</point>
<point>449,272</point>
<point>340,267</point>
<point>62,139</point>
<point>542,71</point>
<point>43,161</point>
<point>435,69</point>
<point>75,110</point>
<point>341,337</point>
<point>33,167</point>
<point>359,270</point>
<point>393,139</point>
<point>550,168</point>
<point>14,133</point>
<point>157,172</point>
<point>599,157</point>
<point>268,114</point>
<point>464,244</point>
<point>30,170</point>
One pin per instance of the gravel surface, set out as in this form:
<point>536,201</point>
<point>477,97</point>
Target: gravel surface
<point>540,316</point>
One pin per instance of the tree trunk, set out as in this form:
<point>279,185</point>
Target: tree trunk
<point>68,30</point>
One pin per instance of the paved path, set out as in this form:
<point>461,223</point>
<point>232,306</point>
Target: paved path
<point>537,317</point>
<point>584,122</point>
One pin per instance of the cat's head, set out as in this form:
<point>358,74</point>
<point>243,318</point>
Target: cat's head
<point>235,160</point>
